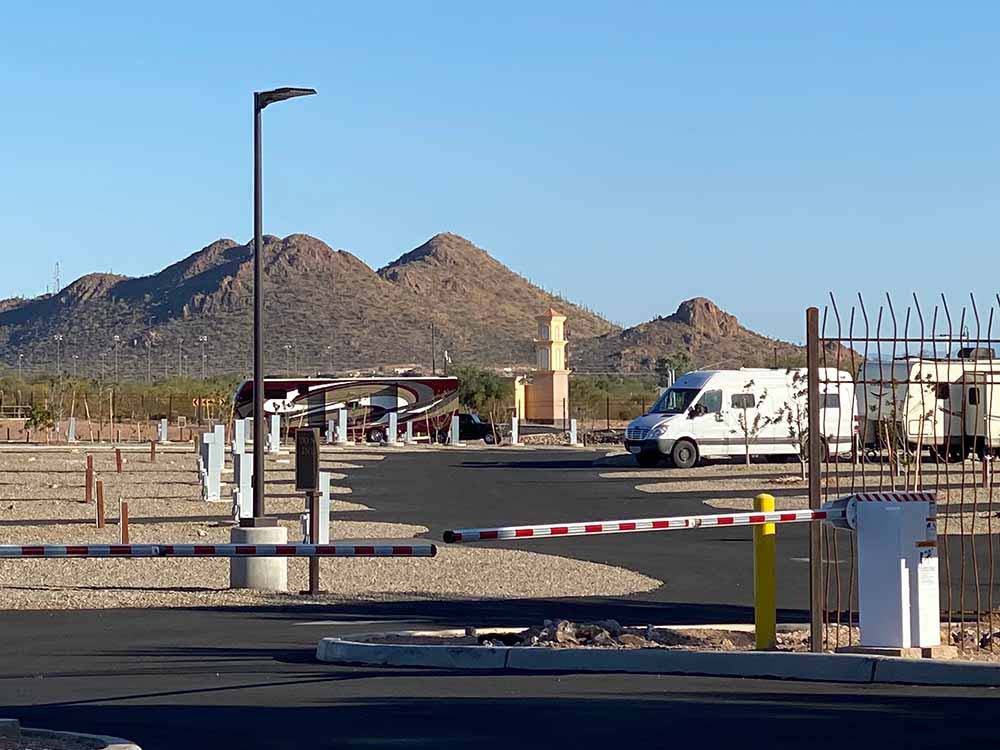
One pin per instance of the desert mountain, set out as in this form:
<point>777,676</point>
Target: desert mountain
<point>699,331</point>
<point>327,310</point>
<point>324,309</point>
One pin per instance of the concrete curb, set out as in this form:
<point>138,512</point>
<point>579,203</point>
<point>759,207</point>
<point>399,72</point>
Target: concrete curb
<point>848,668</point>
<point>110,743</point>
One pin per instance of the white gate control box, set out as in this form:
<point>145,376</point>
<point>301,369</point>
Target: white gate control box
<point>898,594</point>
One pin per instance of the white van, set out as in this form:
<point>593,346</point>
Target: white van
<point>718,413</point>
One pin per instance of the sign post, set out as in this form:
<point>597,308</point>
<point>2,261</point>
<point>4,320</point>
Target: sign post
<point>307,480</point>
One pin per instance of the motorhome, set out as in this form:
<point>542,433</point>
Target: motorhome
<point>427,402</point>
<point>760,412</point>
<point>950,406</point>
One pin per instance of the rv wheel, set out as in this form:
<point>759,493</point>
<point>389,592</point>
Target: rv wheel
<point>685,454</point>
<point>489,439</point>
<point>376,435</point>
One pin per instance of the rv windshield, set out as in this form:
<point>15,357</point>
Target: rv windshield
<point>675,401</point>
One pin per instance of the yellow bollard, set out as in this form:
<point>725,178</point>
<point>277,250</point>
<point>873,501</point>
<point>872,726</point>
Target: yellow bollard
<point>764,586</point>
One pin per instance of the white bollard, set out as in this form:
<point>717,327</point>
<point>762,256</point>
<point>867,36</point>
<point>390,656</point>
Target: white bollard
<point>243,490</point>
<point>331,429</point>
<point>324,512</point>
<point>164,427</point>
<point>274,436</point>
<point>214,463</point>
<point>342,427</point>
<point>572,432</point>
<point>239,437</point>
<point>515,439</point>
<point>455,432</point>
<point>408,440</point>
<point>71,430</point>
<point>393,434</point>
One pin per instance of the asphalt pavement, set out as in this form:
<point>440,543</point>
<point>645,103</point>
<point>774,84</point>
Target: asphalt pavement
<point>246,678</point>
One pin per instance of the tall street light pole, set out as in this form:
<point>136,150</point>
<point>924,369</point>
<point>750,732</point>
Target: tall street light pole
<point>260,100</point>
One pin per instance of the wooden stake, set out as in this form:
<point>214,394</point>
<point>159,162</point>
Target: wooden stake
<point>100,504</point>
<point>89,481</point>
<point>118,460</point>
<point>152,451</point>
<point>123,520</point>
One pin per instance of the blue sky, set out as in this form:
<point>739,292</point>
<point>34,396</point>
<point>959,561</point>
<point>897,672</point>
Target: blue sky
<point>627,155</point>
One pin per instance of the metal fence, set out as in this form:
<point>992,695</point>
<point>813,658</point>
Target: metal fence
<point>927,386</point>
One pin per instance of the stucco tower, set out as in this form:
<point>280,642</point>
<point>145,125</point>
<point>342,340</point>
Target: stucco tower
<point>547,396</point>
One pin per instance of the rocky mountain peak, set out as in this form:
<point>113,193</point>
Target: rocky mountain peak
<point>706,317</point>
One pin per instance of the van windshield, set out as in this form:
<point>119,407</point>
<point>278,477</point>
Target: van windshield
<point>675,401</point>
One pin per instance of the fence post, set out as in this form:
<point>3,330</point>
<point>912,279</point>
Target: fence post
<point>764,586</point>
<point>100,504</point>
<point>88,492</point>
<point>123,520</point>
<point>118,460</point>
<point>816,603</point>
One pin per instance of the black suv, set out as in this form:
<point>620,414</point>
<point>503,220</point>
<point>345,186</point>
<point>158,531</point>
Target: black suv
<point>471,427</point>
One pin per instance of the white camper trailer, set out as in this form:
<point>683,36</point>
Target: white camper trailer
<point>721,413</point>
<point>949,406</point>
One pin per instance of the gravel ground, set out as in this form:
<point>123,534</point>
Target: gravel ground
<point>456,572</point>
<point>33,510</point>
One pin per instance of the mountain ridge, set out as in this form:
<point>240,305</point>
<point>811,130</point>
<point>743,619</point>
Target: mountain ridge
<point>328,309</point>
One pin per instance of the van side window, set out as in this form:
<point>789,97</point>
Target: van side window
<point>943,392</point>
<point>743,401</point>
<point>712,401</point>
<point>829,401</point>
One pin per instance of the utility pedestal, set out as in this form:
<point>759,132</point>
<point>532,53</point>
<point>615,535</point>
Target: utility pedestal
<point>260,573</point>
<point>898,595</point>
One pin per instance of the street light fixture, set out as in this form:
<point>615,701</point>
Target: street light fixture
<point>261,99</point>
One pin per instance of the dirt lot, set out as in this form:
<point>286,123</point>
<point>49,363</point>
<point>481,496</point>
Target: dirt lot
<point>41,501</point>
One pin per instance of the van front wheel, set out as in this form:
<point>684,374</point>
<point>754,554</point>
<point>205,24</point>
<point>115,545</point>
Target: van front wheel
<point>684,454</point>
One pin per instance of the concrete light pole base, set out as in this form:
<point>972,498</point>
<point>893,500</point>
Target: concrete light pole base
<point>261,573</point>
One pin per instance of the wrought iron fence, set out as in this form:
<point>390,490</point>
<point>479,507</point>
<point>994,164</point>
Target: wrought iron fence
<point>926,417</point>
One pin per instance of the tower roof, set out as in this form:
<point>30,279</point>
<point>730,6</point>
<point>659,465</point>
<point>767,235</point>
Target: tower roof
<point>549,315</point>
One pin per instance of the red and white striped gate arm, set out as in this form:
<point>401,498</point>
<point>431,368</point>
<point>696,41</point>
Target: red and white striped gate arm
<point>672,523</point>
<point>834,511</point>
<point>217,550</point>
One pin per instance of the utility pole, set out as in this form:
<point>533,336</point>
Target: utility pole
<point>20,364</point>
<point>117,341</point>
<point>288,349</point>
<point>58,338</point>
<point>203,340</point>
<point>180,371</point>
<point>76,358</point>
<point>433,352</point>
<point>149,361</point>
<point>329,353</point>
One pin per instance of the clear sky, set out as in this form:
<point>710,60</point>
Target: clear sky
<point>628,155</point>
